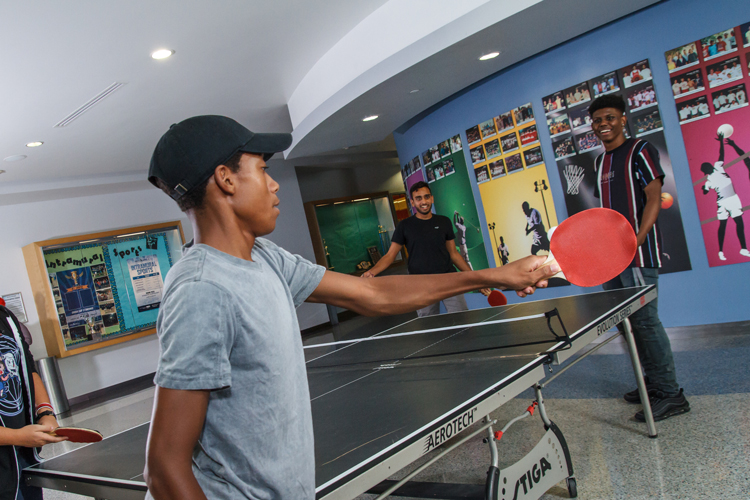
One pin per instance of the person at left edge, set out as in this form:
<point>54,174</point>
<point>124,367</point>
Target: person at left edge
<point>431,243</point>
<point>26,416</point>
<point>232,417</point>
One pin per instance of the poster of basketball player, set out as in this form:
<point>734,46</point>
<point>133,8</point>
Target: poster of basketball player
<point>577,149</point>
<point>715,125</point>
<point>514,186</point>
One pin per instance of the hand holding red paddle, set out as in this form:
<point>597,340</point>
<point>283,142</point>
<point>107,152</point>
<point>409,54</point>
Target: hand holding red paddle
<point>590,248</point>
<point>36,435</point>
<point>78,434</point>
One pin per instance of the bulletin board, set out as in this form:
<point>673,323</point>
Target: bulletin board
<point>99,289</point>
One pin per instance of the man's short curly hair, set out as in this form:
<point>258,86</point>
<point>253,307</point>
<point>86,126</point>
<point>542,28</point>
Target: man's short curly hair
<point>607,101</point>
<point>193,200</point>
<point>417,186</point>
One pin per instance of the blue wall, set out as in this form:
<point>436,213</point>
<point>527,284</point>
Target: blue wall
<point>701,296</point>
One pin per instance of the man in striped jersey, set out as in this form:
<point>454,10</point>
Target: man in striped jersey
<point>629,180</point>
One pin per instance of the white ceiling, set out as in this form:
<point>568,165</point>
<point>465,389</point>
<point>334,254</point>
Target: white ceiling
<point>313,68</point>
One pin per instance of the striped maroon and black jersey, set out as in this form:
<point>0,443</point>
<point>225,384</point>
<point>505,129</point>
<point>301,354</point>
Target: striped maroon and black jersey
<point>621,176</point>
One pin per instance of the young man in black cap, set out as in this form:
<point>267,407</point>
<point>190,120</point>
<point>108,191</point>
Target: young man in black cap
<point>629,180</point>
<point>232,414</point>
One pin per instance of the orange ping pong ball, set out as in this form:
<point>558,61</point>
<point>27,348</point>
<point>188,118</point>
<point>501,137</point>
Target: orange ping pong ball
<point>666,200</point>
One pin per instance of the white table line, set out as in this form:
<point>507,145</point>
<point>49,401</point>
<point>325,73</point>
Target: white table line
<point>417,332</point>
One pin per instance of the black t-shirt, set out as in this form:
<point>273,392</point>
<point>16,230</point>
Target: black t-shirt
<point>13,401</point>
<point>12,397</point>
<point>425,241</point>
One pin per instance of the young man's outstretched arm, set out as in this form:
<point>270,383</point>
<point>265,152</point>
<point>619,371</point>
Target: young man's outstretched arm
<point>400,294</point>
<point>458,261</point>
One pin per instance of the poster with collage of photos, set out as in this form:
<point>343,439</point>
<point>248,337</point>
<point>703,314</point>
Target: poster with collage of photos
<point>576,147</point>
<point>411,168</point>
<point>513,183</point>
<point>710,80</point>
<point>505,144</point>
<point>412,173</point>
<point>438,160</point>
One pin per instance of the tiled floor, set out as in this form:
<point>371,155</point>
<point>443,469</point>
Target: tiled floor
<point>704,454</point>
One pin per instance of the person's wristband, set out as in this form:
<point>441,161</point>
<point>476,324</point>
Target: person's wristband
<point>44,414</point>
<point>43,407</point>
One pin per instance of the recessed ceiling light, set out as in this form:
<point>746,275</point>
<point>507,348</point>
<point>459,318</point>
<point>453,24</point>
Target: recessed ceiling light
<point>414,91</point>
<point>34,144</point>
<point>369,118</point>
<point>162,53</point>
<point>491,55</point>
<point>15,158</point>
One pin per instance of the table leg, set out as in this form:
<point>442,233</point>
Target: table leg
<point>493,474</point>
<point>628,334</point>
<point>542,409</point>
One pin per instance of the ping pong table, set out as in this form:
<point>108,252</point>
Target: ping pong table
<point>379,403</point>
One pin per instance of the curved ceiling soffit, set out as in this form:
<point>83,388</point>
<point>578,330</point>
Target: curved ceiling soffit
<point>395,37</point>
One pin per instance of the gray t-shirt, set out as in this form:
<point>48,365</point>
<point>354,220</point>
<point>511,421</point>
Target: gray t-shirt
<point>229,326</point>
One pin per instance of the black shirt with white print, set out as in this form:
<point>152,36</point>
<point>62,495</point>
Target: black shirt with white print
<point>14,400</point>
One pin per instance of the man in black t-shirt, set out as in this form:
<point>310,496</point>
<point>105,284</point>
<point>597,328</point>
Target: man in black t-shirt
<point>430,241</point>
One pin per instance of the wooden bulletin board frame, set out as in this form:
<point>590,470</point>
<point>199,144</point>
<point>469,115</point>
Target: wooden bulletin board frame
<point>45,302</point>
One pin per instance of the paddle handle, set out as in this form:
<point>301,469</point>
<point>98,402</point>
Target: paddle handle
<point>551,260</point>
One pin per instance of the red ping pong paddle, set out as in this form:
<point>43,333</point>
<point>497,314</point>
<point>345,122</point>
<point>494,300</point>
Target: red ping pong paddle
<point>497,298</point>
<point>78,434</point>
<point>592,247</point>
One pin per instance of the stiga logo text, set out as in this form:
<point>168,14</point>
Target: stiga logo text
<point>447,431</point>
<point>614,320</point>
<point>527,480</point>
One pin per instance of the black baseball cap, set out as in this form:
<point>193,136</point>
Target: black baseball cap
<point>189,152</point>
